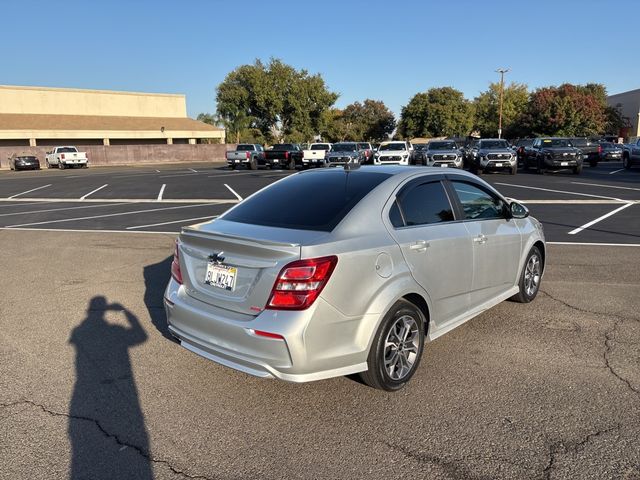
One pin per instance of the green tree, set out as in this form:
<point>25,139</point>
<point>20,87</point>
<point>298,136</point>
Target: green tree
<point>515,100</point>
<point>568,110</point>
<point>280,101</point>
<point>438,112</point>
<point>371,121</point>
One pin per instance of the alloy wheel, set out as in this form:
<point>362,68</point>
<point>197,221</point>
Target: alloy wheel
<point>532,275</point>
<point>401,347</point>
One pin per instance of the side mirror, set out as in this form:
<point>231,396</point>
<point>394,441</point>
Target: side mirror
<point>518,210</point>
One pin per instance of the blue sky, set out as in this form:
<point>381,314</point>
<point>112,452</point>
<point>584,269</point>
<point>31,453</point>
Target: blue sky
<point>364,49</point>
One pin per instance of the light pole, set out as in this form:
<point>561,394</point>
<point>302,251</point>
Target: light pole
<point>501,71</point>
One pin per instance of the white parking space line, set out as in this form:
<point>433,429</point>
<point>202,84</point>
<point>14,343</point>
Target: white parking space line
<point>178,175</point>
<point>558,191</point>
<point>20,204</point>
<point>164,185</point>
<point>28,191</point>
<point>193,170</point>
<point>75,230</point>
<point>607,186</point>
<point>599,219</point>
<point>30,212</point>
<point>106,215</point>
<point>233,191</point>
<point>173,221</point>
<point>93,191</point>
<point>616,171</point>
<point>596,244</point>
<point>157,171</point>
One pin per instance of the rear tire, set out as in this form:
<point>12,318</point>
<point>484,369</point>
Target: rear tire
<point>530,277</point>
<point>291,165</point>
<point>253,165</point>
<point>396,348</point>
<point>61,165</point>
<point>513,170</point>
<point>232,166</point>
<point>541,170</point>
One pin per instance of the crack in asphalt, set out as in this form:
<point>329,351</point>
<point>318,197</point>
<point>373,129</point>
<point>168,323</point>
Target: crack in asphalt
<point>608,338</point>
<point>562,448</point>
<point>145,454</point>
<point>452,469</point>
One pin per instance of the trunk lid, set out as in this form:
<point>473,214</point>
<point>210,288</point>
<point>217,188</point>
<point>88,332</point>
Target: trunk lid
<point>258,253</point>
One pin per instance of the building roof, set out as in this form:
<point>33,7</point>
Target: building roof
<point>25,121</point>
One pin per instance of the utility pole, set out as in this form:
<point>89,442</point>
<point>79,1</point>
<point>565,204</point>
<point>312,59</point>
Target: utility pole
<point>501,71</point>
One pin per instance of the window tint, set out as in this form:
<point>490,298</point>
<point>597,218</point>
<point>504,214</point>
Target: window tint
<point>316,200</point>
<point>477,203</point>
<point>426,203</point>
<point>244,148</point>
<point>395,216</point>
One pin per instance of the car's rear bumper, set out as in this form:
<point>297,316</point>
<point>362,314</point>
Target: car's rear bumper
<point>316,343</point>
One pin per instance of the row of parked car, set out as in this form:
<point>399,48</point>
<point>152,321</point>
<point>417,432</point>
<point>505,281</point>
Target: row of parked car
<point>58,157</point>
<point>483,155</point>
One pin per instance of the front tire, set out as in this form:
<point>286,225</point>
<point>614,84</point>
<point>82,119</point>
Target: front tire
<point>513,170</point>
<point>61,165</point>
<point>48,164</point>
<point>396,349</point>
<point>626,162</point>
<point>530,277</point>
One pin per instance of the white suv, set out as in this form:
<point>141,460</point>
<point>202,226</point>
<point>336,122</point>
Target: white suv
<point>390,153</point>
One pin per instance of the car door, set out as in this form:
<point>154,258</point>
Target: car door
<point>497,241</point>
<point>437,248</point>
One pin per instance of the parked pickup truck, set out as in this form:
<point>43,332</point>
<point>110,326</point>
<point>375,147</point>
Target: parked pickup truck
<point>249,154</point>
<point>286,155</point>
<point>315,154</point>
<point>553,153</point>
<point>631,154</point>
<point>590,150</point>
<point>63,157</point>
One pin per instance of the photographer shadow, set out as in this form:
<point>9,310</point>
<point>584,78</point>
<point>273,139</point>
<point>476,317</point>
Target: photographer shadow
<point>105,394</point>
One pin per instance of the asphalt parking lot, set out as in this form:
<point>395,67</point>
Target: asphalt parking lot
<point>91,385</point>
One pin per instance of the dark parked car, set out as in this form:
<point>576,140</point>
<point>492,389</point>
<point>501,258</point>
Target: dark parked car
<point>367,150</point>
<point>287,155</point>
<point>419,154</point>
<point>553,153</point>
<point>590,150</point>
<point>24,161</point>
<point>610,152</point>
<point>521,145</point>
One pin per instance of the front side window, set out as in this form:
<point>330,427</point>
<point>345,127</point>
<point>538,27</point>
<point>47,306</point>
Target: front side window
<point>424,204</point>
<point>477,203</point>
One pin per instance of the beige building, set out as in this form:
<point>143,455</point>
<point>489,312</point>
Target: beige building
<point>38,116</point>
<point>629,104</point>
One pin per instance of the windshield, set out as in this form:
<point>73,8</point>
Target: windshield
<point>67,150</point>
<point>364,146</point>
<point>493,144</point>
<point>393,146</point>
<point>344,147</point>
<point>556,142</point>
<point>337,192</point>
<point>443,146</point>
<point>283,146</point>
<point>320,146</point>
<point>244,148</point>
<point>420,147</point>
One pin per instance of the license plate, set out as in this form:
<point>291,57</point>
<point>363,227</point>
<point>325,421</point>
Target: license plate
<point>221,276</point>
<point>498,164</point>
<point>444,165</point>
<point>564,164</point>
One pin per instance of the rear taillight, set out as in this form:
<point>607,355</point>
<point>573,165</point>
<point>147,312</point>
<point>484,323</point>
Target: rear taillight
<point>62,156</point>
<point>175,265</point>
<point>286,155</point>
<point>248,156</point>
<point>599,148</point>
<point>300,283</point>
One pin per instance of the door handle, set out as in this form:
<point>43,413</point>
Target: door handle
<point>419,246</point>
<point>480,239</point>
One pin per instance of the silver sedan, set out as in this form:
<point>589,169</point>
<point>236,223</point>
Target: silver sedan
<point>340,271</point>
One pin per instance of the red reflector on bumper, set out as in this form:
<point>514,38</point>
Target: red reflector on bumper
<point>268,334</point>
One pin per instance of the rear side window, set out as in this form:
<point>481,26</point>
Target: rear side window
<point>316,200</point>
<point>424,204</point>
<point>477,203</point>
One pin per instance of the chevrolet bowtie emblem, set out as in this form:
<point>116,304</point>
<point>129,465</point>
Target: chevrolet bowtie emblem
<point>217,257</point>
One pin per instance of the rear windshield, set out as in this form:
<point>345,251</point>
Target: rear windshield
<point>283,146</point>
<point>320,146</point>
<point>291,203</point>
<point>245,148</point>
<point>366,146</point>
<point>67,150</point>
